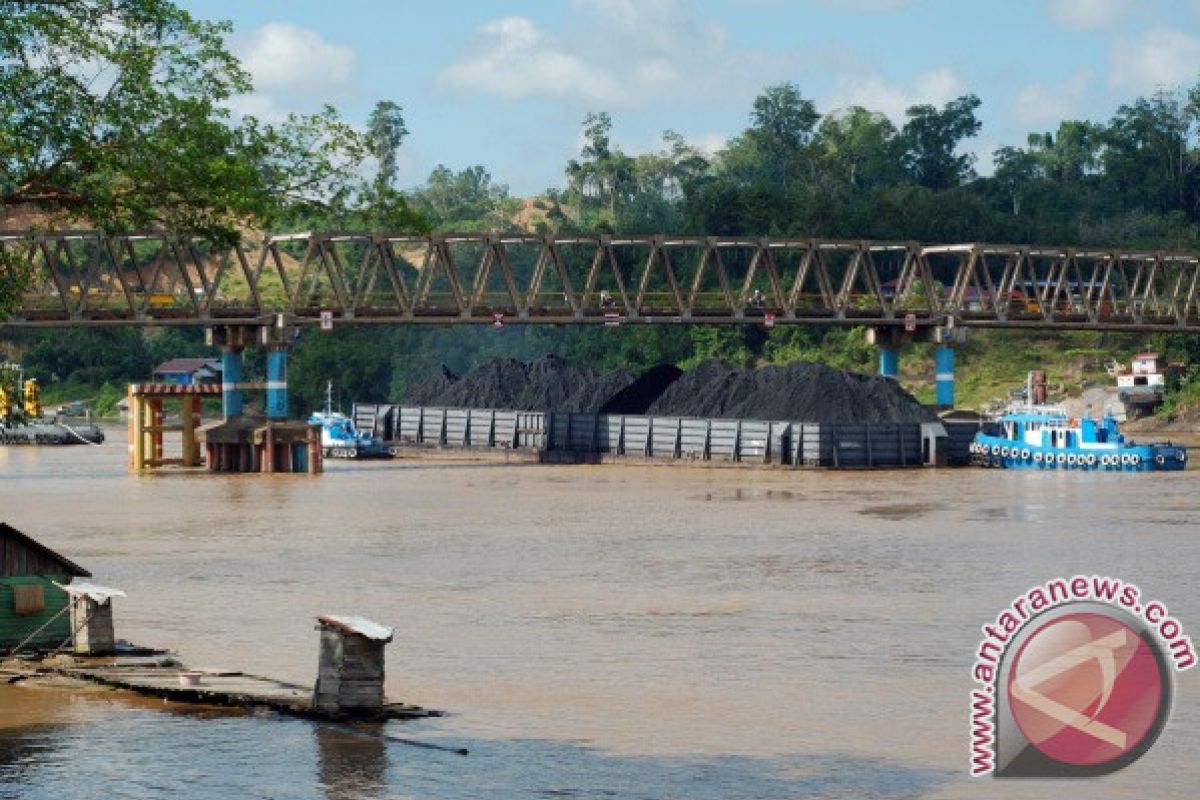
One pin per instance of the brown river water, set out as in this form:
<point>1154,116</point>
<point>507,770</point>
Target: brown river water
<point>592,631</point>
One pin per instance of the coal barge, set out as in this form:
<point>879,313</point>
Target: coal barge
<point>50,433</point>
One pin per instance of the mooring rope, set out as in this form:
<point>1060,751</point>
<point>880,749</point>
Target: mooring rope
<point>78,435</point>
<point>387,737</point>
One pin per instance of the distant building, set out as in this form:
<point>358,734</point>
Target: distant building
<point>29,598</point>
<point>188,371</point>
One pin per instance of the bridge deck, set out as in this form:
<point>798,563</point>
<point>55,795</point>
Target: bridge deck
<point>89,278</point>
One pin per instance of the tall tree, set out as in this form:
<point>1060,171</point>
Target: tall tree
<point>111,110</point>
<point>385,132</point>
<point>782,124</point>
<point>604,172</point>
<point>859,148</point>
<point>1151,154</point>
<point>463,200</point>
<point>114,113</point>
<point>931,140</point>
<point>1016,171</point>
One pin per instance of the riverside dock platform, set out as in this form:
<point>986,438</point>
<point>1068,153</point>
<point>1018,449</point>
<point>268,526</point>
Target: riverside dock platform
<point>162,675</point>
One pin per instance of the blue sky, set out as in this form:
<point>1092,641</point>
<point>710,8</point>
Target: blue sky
<point>506,84</point>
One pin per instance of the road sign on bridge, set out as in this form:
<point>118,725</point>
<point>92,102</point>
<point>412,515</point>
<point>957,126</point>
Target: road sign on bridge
<point>89,278</point>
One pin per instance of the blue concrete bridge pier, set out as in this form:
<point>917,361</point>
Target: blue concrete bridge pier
<point>245,442</point>
<point>944,375</point>
<point>890,340</point>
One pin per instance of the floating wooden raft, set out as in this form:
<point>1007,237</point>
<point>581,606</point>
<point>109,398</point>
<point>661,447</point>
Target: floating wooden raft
<point>160,677</point>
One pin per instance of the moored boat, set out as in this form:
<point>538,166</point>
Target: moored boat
<point>1142,385</point>
<point>339,437</point>
<point>1047,437</point>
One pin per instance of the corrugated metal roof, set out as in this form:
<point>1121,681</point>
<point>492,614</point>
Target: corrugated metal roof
<point>358,625</point>
<point>93,591</point>
<point>21,540</point>
<point>188,365</point>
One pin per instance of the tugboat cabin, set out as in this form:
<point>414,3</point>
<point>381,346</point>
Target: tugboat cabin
<point>33,610</point>
<point>1054,429</point>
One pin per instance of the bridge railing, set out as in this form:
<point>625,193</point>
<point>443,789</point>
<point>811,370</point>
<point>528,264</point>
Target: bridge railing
<point>87,277</point>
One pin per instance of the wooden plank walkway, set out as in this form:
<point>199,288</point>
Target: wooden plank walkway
<point>159,676</point>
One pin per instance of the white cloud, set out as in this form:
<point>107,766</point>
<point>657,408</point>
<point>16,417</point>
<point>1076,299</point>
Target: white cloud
<point>872,92</point>
<point>285,58</point>
<point>1158,59</point>
<point>711,143</point>
<point>259,105</point>
<point>516,60</point>
<point>1088,15</point>
<point>1042,102</point>
<point>624,53</point>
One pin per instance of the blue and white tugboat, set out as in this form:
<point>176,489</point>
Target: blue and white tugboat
<point>339,437</point>
<point>1046,437</point>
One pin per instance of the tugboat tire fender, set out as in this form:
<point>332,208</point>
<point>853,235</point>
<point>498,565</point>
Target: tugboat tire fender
<point>1091,461</point>
<point>1037,457</point>
<point>995,449</point>
<point>1158,459</point>
<point>1135,459</point>
<point>1025,454</point>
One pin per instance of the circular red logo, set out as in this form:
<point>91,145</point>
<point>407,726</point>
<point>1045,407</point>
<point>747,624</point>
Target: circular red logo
<point>1085,689</point>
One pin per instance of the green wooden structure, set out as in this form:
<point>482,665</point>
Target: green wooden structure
<point>29,600</point>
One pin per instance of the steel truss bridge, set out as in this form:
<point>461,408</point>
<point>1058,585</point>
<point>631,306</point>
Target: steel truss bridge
<point>80,278</point>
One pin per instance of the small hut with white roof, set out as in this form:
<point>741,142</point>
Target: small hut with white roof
<point>350,671</point>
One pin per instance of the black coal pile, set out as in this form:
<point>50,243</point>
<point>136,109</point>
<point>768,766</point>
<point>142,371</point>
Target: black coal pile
<point>802,392</point>
<point>430,391</point>
<point>547,384</point>
<point>637,397</point>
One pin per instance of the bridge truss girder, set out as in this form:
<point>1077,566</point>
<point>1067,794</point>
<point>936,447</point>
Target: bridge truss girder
<point>89,278</point>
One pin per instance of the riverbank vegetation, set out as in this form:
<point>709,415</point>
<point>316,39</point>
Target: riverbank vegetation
<point>154,144</point>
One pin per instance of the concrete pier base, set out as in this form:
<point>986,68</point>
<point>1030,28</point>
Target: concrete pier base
<point>255,445</point>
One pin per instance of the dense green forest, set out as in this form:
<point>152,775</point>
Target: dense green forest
<point>1131,181</point>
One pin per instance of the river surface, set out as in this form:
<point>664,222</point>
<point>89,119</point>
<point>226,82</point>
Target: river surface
<point>592,631</point>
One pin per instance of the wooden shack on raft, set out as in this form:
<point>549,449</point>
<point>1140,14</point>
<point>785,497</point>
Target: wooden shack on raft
<point>33,609</point>
<point>350,673</point>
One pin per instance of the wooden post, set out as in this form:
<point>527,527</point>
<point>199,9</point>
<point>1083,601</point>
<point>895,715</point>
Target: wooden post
<point>147,432</point>
<point>190,456</point>
<point>269,450</point>
<point>194,408</point>
<point>314,451</point>
<point>137,422</point>
<point>157,405</point>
